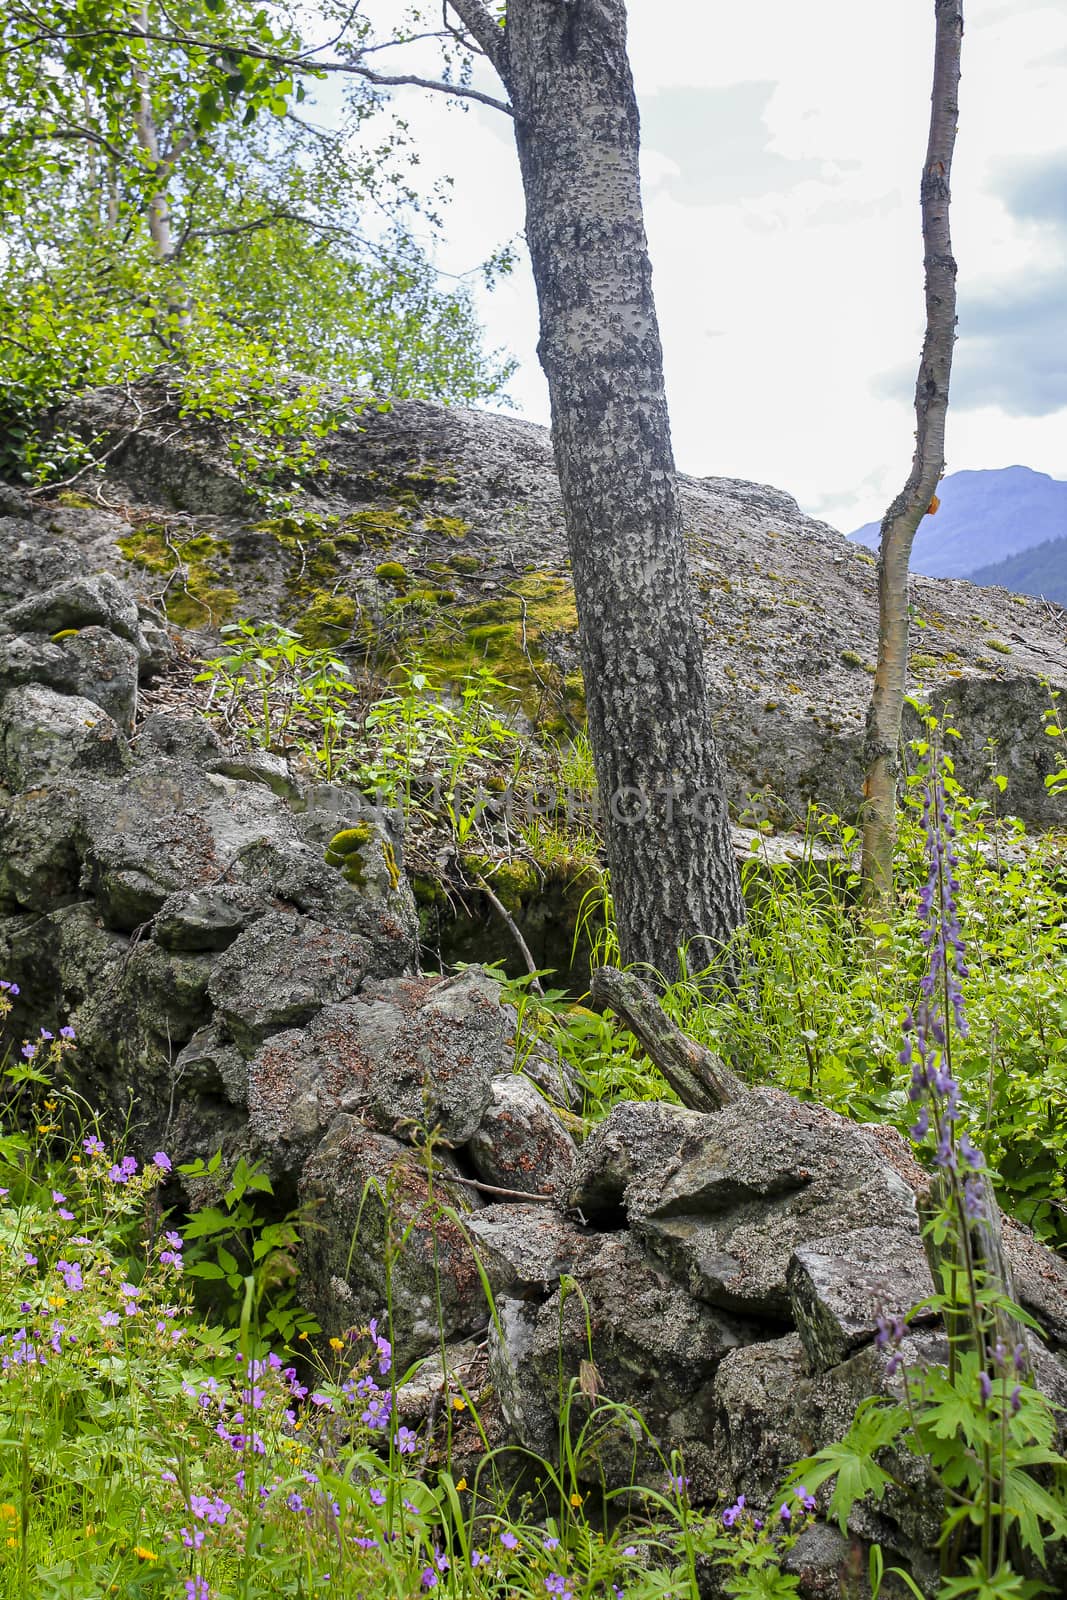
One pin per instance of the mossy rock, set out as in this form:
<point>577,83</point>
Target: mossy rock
<point>464,564</point>
<point>392,572</point>
<point>344,852</point>
<point>377,525</point>
<point>328,621</point>
<point>197,599</point>
<point>450,527</point>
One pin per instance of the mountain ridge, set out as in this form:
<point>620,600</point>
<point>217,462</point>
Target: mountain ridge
<point>986,517</point>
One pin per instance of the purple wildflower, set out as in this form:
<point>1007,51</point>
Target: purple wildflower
<point>731,1514</point>
<point>93,1146</point>
<point>405,1441</point>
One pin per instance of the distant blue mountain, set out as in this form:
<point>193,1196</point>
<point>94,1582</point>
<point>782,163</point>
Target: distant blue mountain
<point>985,517</point>
<point>1040,570</point>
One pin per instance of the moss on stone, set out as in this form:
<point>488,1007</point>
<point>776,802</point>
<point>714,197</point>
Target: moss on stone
<point>392,572</point>
<point>328,621</point>
<point>377,525</point>
<point>193,597</point>
<point>451,527</point>
<point>464,564</point>
<point>344,851</point>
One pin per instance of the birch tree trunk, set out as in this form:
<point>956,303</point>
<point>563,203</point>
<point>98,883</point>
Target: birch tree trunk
<point>673,873</point>
<point>882,741</point>
<point>159,217</point>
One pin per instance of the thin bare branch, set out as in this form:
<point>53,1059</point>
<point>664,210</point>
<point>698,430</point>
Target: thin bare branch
<point>484,29</point>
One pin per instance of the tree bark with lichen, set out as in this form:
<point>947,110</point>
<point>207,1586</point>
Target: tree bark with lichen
<point>674,877</point>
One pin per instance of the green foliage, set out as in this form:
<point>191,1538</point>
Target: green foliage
<point>167,199</point>
<point>273,692</point>
<point>246,1255</point>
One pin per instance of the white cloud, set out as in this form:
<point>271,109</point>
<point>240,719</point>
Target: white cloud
<point>790,280</point>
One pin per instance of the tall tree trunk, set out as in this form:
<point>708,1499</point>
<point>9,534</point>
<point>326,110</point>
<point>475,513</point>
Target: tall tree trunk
<point>882,743</point>
<point>673,873</point>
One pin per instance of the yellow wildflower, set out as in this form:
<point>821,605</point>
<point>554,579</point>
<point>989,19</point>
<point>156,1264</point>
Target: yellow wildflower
<point>458,1403</point>
<point>337,1344</point>
<point>144,1554</point>
<point>8,1512</point>
<point>576,1500</point>
<point>462,1484</point>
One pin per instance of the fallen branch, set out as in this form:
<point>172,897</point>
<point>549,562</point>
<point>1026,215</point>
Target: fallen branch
<point>492,1188</point>
<point>697,1076</point>
<point>513,928</point>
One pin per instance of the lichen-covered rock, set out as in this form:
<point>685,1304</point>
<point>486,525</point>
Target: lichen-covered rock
<point>298,1080</point>
<point>520,1143</point>
<point>841,1285</point>
<point>91,662</point>
<point>653,1348</point>
<point>636,1138</point>
<point>102,667</point>
<point>371,1199</point>
<point>30,560</point>
<point>532,1416</point>
<point>189,739</point>
<point>40,864</point>
<point>47,735</point>
<point>78,602</point>
<point>281,971</point>
<point>768,1174</point>
<point>525,1248</point>
<point>212,1067</point>
<point>206,919</point>
<point>434,1063</point>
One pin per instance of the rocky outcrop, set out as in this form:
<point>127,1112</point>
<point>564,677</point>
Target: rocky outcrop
<point>442,530</point>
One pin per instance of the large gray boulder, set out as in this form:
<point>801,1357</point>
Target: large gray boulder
<point>45,735</point>
<point>471,499</point>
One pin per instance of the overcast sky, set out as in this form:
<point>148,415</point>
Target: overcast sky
<point>782,148</point>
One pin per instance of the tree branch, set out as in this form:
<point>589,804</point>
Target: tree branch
<point>438,84</point>
<point>699,1079</point>
<point>299,63</point>
<point>484,30</point>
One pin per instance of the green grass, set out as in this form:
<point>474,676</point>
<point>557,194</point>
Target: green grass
<point>823,996</point>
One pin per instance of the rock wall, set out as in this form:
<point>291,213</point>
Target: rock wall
<point>240,976</point>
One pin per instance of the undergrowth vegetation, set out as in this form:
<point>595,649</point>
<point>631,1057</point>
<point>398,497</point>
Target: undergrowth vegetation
<point>157,1445</point>
<point>148,1452</point>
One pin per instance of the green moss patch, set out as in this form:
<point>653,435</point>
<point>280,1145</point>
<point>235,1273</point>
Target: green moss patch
<point>450,527</point>
<point>344,852</point>
<point>511,633</point>
<point>193,596</point>
<point>328,621</point>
